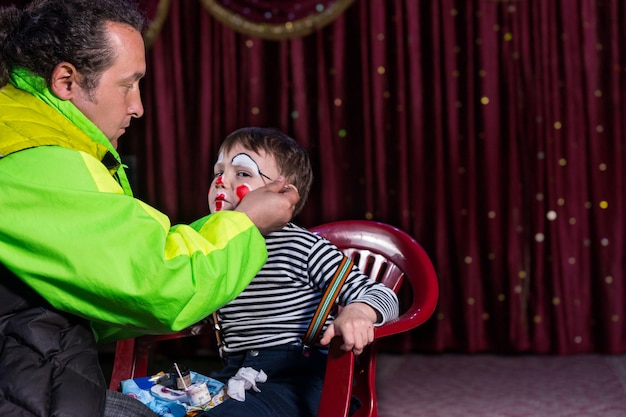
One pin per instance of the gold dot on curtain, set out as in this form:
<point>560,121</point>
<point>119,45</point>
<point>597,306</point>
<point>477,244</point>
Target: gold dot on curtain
<point>454,12</point>
<point>343,133</point>
<point>578,340</point>
<point>597,93</point>
<point>461,170</point>
<point>337,102</point>
<point>440,316</point>
<point>458,104</point>
<point>456,49</point>
<point>369,216</point>
<point>556,301</point>
<point>557,125</point>
<point>255,110</point>
<point>537,319</point>
<point>249,43</point>
<point>386,94</point>
<point>468,260</point>
<point>508,37</point>
<point>484,101</point>
<point>586,242</point>
<point>604,204</point>
<point>511,8</point>
<point>539,196</point>
<point>522,274</point>
<point>486,316</point>
<point>560,201</point>
<point>541,155</point>
<point>604,242</point>
<point>551,215</point>
<point>517,289</point>
<point>471,301</point>
<point>463,212</point>
<point>496,27</point>
<point>615,318</point>
<point>294,114</point>
<point>380,70</point>
<point>602,167</point>
<point>482,73</point>
<point>600,129</point>
<point>456,73</point>
<point>539,237</point>
<point>608,279</point>
<point>588,204</point>
<point>572,261</point>
<point>491,256</point>
<point>491,214</point>
<point>380,37</point>
<point>501,297</point>
<point>572,221</point>
<point>562,162</point>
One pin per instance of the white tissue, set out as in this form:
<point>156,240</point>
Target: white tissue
<point>244,379</point>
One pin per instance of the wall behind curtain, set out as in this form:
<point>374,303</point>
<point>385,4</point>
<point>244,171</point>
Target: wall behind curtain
<point>492,131</point>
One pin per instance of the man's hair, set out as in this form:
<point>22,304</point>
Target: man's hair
<point>48,32</point>
<point>292,159</point>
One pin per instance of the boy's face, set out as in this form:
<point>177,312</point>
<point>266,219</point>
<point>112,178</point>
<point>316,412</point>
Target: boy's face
<point>238,172</point>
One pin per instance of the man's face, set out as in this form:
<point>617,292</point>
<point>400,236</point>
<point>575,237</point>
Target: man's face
<point>116,99</point>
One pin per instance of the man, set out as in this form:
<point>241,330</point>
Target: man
<point>81,260</point>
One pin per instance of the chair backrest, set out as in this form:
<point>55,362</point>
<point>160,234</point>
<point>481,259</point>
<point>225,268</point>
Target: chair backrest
<point>385,253</point>
<point>392,257</point>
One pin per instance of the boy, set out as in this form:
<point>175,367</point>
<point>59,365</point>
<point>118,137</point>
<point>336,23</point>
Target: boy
<point>264,327</point>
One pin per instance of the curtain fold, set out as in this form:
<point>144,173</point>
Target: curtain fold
<point>491,131</point>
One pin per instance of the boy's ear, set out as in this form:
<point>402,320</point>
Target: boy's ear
<point>63,83</point>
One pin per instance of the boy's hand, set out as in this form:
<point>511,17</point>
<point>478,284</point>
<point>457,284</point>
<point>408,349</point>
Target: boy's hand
<point>270,207</point>
<point>355,324</point>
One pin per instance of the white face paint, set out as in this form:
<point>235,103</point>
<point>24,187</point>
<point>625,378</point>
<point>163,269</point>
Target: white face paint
<point>245,161</point>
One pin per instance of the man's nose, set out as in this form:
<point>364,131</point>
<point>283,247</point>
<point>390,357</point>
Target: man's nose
<point>136,106</point>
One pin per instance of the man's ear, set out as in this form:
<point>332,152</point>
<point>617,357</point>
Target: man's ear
<point>63,83</point>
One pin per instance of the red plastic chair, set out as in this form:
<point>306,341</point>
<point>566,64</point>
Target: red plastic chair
<point>385,253</point>
<point>392,257</point>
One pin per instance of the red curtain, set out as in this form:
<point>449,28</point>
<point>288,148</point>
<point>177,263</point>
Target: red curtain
<point>492,131</point>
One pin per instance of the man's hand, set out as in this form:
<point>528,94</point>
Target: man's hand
<point>355,324</point>
<point>270,207</point>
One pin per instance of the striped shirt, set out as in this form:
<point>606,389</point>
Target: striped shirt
<point>278,305</point>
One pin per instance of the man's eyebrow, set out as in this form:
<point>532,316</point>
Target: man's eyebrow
<point>135,77</point>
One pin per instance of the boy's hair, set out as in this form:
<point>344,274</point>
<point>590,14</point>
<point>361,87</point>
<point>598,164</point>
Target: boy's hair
<point>48,32</point>
<point>292,160</point>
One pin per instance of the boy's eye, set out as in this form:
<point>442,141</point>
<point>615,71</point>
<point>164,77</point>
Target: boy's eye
<point>243,174</point>
<point>218,174</point>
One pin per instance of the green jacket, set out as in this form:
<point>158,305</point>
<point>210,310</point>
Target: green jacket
<point>72,231</point>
